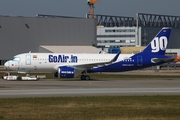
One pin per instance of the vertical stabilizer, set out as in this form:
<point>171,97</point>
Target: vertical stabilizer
<point>159,43</point>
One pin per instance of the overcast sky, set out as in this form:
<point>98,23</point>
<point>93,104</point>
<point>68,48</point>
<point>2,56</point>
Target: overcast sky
<point>79,8</point>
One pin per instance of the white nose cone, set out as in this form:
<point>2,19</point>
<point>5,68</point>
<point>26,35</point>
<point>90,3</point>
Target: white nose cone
<point>6,65</point>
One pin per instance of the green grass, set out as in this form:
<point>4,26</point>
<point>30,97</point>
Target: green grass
<point>91,108</point>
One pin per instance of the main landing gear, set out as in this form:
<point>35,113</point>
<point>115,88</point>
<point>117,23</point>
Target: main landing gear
<point>85,77</point>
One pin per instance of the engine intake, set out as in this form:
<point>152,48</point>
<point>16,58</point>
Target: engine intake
<point>65,72</point>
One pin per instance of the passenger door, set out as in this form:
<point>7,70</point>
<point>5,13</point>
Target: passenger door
<point>28,59</point>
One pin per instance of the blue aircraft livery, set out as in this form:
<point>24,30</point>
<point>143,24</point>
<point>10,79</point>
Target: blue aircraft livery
<point>63,59</point>
<point>58,63</point>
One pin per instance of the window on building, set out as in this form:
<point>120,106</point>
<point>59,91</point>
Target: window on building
<point>120,30</point>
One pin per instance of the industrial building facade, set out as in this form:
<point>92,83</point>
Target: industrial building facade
<point>24,34</point>
<point>128,31</point>
<point>116,36</point>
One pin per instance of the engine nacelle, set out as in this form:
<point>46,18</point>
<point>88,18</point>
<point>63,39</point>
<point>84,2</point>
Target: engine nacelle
<point>65,72</point>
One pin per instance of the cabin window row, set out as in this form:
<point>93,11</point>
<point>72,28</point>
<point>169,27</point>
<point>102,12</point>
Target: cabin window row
<point>128,60</point>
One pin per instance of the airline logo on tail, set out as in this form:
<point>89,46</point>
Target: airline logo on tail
<point>159,44</point>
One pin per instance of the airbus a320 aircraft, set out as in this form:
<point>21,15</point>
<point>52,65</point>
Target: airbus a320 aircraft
<point>65,65</point>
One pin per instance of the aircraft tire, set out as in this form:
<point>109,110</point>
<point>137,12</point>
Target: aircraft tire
<point>83,77</point>
<point>87,77</point>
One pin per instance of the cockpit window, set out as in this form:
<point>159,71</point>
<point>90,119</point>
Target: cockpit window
<point>16,59</point>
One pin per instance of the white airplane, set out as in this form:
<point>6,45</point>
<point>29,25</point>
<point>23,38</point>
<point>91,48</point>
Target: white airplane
<point>65,65</point>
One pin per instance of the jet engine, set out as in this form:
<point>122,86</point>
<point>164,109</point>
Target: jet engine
<point>66,72</point>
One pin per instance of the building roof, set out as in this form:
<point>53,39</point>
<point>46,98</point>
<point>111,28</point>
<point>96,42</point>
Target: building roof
<point>71,49</point>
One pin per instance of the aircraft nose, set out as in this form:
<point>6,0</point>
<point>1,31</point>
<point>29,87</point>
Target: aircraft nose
<point>6,64</point>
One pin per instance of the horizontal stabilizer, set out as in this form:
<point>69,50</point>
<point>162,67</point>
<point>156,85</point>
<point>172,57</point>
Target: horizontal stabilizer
<point>157,60</point>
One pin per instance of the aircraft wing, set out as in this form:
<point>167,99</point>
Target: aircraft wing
<point>90,65</point>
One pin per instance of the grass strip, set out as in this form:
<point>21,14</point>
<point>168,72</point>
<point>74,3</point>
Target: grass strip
<point>91,108</point>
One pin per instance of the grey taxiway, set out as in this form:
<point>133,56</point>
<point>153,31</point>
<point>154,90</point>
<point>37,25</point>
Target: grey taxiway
<point>54,88</point>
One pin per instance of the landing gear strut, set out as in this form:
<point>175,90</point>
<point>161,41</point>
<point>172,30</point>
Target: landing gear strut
<point>85,77</point>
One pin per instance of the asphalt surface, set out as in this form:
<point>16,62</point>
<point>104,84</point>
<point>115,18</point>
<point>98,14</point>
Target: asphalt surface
<point>110,87</point>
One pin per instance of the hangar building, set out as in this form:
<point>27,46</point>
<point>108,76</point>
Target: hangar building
<point>129,31</point>
<point>24,34</point>
<point>36,34</point>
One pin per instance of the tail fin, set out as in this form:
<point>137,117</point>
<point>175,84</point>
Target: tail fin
<point>159,44</point>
